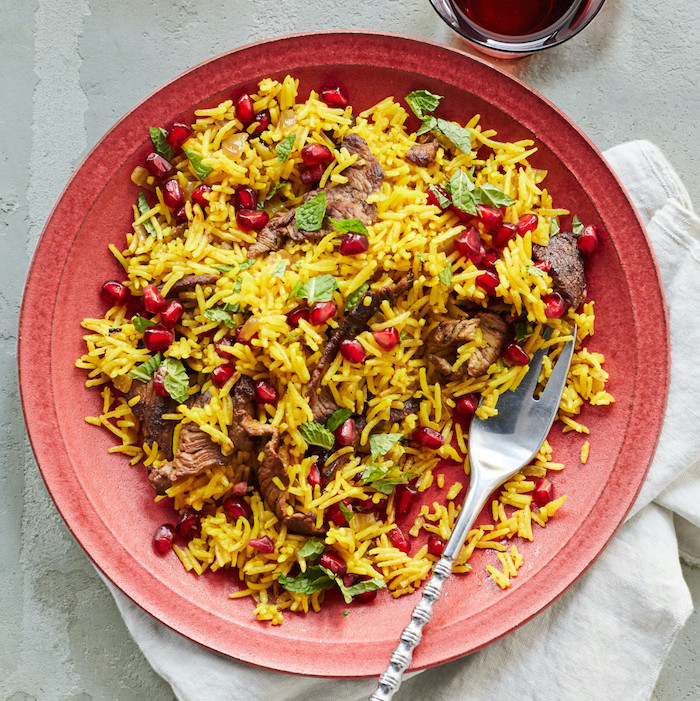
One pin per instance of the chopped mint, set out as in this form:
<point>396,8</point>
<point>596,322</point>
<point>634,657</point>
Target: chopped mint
<point>422,102</point>
<point>382,443</point>
<point>143,208</point>
<point>443,201</point>
<point>175,380</point>
<point>279,270</point>
<point>285,147</point>
<point>145,371</point>
<point>490,194</point>
<point>345,226</point>
<point>195,159</point>
<point>141,323</point>
<point>338,417</point>
<point>309,216</point>
<point>315,434</point>
<point>314,579</point>
<point>554,226</point>
<point>461,190</point>
<point>316,289</point>
<point>446,276</point>
<point>160,143</point>
<point>576,225</point>
<point>459,136</point>
<point>354,297</point>
<point>312,548</point>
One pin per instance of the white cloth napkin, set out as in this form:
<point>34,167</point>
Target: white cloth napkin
<point>608,636</point>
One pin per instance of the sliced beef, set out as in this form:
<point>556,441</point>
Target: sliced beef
<point>149,411</point>
<point>245,428</point>
<point>410,406</point>
<point>196,453</point>
<point>423,154</point>
<point>346,201</point>
<point>566,262</point>
<point>273,465</point>
<point>322,405</point>
<point>355,322</point>
<point>189,282</point>
<point>444,342</point>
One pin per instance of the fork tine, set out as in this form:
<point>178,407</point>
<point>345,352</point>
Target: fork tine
<point>555,383</point>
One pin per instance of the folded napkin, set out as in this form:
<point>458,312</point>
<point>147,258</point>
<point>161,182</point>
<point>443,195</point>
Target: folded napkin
<point>607,636</point>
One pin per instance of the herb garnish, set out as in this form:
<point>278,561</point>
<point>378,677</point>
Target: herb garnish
<point>315,434</point>
<point>145,371</point>
<point>315,578</point>
<point>309,216</point>
<point>338,417</point>
<point>382,443</point>
<point>354,297</point>
<point>143,208</point>
<point>141,323</point>
<point>316,289</point>
<point>554,226</point>
<point>443,201</point>
<point>175,380</point>
<point>446,276</point>
<point>201,169</point>
<point>160,143</point>
<point>347,226</point>
<point>422,102</point>
<point>285,147</point>
<point>312,548</point>
<point>576,225</point>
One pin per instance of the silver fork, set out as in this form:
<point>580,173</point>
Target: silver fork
<point>498,448</point>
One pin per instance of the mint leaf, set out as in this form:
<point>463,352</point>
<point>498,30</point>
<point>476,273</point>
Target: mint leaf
<point>317,289</point>
<point>160,143</point>
<point>272,192</point>
<point>576,225</point>
<point>490,194</point>
<point>279,270</point>
<point>175,380</point>
<point>223,268</point>
<point>221,315</point>
<point>522,330</point>
<point>244,265</point>
<point>444,202</point>
<point>554,226</point>
<point>338,417</point>
<point>143,208</point>
<point>459,136</point>
<point>145,371</point>
<point>311,548</point>
<point>361,587</point>
<point>195,159</point>
<point>354,297</point>
<point>535,271</point>
<point>461,189</point>
<point>376,477</point>
<point>422,102</point>
<point>346,226</point>
<point>382,443</point>
<point>285,147</point>
<point>315,434</point>
<point>345,511</point>
<point>386,486</point>
<point>314,579</point>
<point>446,276</point>
<point>309,216</point>
<point>428,124</point>
<point>141,323</point>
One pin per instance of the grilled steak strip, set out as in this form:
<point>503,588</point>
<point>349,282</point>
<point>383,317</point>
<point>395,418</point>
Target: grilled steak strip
<point>423,154</point>
<point>149,411</point>
<point>245,427</point>
<point>566,262</point>
<point>189,282</point>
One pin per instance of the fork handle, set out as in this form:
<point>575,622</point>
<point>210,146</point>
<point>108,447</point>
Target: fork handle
<point>390,681</point>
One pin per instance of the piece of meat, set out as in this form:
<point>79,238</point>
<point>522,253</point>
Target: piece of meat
<point>244,426</point>
<point>355,322</point>
<point>274,465</point>
<point>322,405</point>
<point>196,453</point>
<point>189,282</point>
<point>343,201</point>
<point>566,262</point>
<point>423,154</point>
<point>149,411</point>
<point>446,338</point>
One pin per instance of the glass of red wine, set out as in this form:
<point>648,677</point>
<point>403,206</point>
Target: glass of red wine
<point>512,28</point>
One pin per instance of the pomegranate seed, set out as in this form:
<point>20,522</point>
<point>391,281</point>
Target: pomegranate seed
<point>352,350</point>
<point>159,166</point>
<point>387,338</point>
<point>435,545</point>
<point>588,240</point>
<point>159,382</point>
<point>199,196</point>
<point>469,245</point>
<point>241,337</point>
<point>461,214</point>
<point>488,262</point>
<point>466,406</point>
<point>334,514</point>
<point>352,244</point>
<point>314,477</point>
<point>114,293</point>
<point>263,545</point>
<point>312,174</point>
<point>157,338</point>
<point>173,196</point>
<point>555,306</point>
<point>265,393</point>
<point>432,197</point>
<point>346,433</point>
<point>489,280</point>
<point>237,507</point>
<point>170,316</point>
<point>221,374</point>
<point>316,153</point>
<point>543,493</point>
<point>333,97</point>
<point>163,538</point>
<point>428,438</point>
<point>349,580</point>
<point>178,134</point>
<point>153,300</point>
<point>244,109</point>
<point>503,234</point>
<point>490,217</point>
<point>224,348</point>
<point>515,354</point>
<point>544,265</point>
<point>246,198</point>
<point>405,497</point>
<point>296,315</point>
<point>188,523</point>
<point>251,219</point>
<point>263,120</point>
<point>528,222</point>
<point>321,312</point>
<point>334,563</point>
<point>181,214</point>
<point>398,539</point>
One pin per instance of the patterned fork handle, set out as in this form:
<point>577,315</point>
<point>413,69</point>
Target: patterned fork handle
<point>390,681</point>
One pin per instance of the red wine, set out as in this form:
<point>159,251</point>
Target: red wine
<point>519,17</point>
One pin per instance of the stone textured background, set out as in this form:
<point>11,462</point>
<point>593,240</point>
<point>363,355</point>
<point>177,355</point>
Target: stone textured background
<point>70,69</point>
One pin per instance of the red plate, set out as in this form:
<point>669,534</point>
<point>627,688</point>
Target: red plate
<point>108,505</point>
